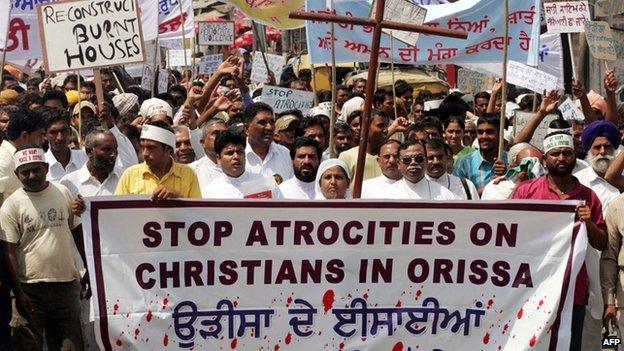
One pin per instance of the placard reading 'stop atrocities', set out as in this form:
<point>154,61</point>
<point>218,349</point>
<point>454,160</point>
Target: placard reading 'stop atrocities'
<point>86,34</point>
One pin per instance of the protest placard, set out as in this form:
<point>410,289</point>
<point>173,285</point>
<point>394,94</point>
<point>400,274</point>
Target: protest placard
<point>210,63</point>
<point>469,81</point>
<point>5,16</point>
<point>163,80</point>
<point>73,39</point>
<point>216,33</point>
<point>529,77</point>
<point>349,275</point>
<point>403,11</point>
<point>570,111</point>
<point>176,58</point>
<point>259,71</point>
<point>551,57</point>
<point>566,17</point>
<point>283,99</point>
<point>600,40</point>
<point>326,107</point>
<point>147,78</point>
<point>521,120</point>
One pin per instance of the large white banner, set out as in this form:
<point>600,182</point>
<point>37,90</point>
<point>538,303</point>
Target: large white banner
<point>5,13</point>
<point>482,19</point>
<point>284,275</point>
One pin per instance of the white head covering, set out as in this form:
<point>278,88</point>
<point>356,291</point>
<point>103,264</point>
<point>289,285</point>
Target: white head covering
<point>324,166</point>
<point>353,104</point>
<point>161,135</point>
<point>27,156</point>
<point>155,106</point>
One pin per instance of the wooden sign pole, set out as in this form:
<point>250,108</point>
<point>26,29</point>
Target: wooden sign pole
<point>503,118</point>
<point>99,90</point>
<point>377,23</point>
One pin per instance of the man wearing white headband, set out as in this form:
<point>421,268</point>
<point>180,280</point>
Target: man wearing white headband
<point>39,252</point>
<point>558,185</point>
<point>159,176</point>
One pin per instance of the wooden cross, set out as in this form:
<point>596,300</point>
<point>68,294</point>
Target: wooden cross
<point>377,23</point>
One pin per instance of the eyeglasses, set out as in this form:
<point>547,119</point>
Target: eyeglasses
<point>419,159</point>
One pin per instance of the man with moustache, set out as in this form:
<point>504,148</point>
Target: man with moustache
<point>414,185</point>
<point>306,156</point>
<point>184,150</point>
<point>236,181</point>
<point>263,155</point>
<point>206,167</point>
<point>559,184</point>
<point>437,160</point>
<point>39,256</point>
<point>98,177</point>
<point>600,139</point>
<point>159,175</point>
<point>388,160</point>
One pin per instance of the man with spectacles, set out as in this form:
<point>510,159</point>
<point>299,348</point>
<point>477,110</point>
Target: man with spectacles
<point>414,185</point>
<point>388,160</point>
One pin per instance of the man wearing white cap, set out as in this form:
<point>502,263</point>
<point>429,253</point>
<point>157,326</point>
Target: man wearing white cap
<point>157,110</point>
<point>159,175</point>
<point>558,185</point>
<point>39,254</point>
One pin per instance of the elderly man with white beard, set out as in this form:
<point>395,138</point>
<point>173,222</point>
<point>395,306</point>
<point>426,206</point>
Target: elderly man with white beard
<point>600,140</point>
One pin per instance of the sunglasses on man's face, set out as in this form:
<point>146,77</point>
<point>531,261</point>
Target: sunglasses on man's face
<point>419,159</point>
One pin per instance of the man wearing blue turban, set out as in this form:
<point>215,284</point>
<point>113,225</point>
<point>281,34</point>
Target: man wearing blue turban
<point>600,140</point>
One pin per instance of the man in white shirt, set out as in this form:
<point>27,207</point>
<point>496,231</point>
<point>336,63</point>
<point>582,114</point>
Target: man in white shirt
<point>126,154</point>
<point>388,160</point>
<point>414,185</point>
<point>600,140</point>
<point>306,156</point>
<point>60,158</point>
<point>99,176</point>
<point>237,182</point>
<point>263,156</point>
<point>312,127</point>
<point>206,167</point>
<point>437,160</point>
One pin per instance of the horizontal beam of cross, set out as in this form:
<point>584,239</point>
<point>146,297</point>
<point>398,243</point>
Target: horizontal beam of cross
<point>322,17</point>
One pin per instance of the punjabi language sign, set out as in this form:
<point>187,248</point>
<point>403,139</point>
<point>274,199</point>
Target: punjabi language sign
<point>348,275</point>
<point>216,33</point>
<point>284,99</point>
<point>600,40</point>
<point>82,34</point>
<point>529,77</point>
<point>259,72</point>
<point>482,19</point>
<point>566,17</point>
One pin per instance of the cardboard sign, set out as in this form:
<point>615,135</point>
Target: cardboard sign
<point>529,77</point>
<point>147,77</point>
<point>176,58</point>
<point>566,17</point>
<point>216,33</point>
<point>600,40</point>
<point>283,99</point>
<point>469,81</point>
<point>403,11</point>
<point>73,34</point>
<point>570,111</point>
<point>285,275</point>
<point>432,104</point>
<point>522,118</point>
<point>258,68</point>
<point>163,80</point>
<point>210,63</point>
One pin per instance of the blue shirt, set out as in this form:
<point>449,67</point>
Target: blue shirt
<point>474,168</point>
